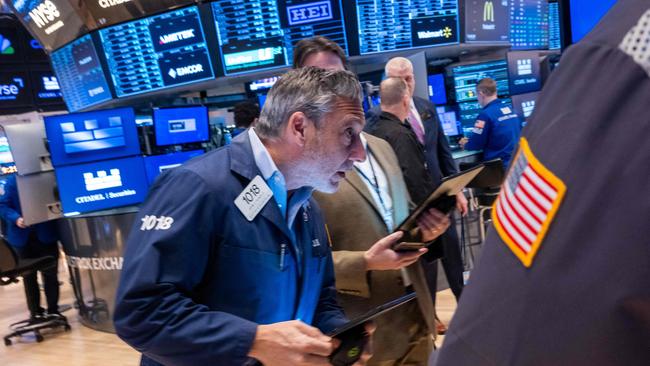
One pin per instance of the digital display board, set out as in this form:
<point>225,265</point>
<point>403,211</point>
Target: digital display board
<point>157,52</point>
<point>388,25</point>
<point>53,22</point>
<point>175,126</point>
<point>101,185</point>
<point>437,92</point>
<point>529,24</point>
<point>81,137</point>
<point>487,21</point>
<point>524,104</point>
<point>524,72</point>
<point>260,34</point>
<point>109,12</point>
<point>156,164</point>
<point>450,123</point>
<point>45,87</point>
<point>554,30</point>
<point>585,14</point>
<point>80,74</point>
<point>11,42</point>
<point>15,89</point>
<point>470,110</point>
<point>466,77</point>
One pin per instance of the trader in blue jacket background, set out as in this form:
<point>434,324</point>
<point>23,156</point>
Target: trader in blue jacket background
<point>228,262</point>
<point>35,241</point>
<point>497,127</point>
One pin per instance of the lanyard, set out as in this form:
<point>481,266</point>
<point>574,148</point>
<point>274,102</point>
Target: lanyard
<point>373,182</point>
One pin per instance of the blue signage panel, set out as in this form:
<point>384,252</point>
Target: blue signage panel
<point>524,71</point>
<point>437,91</point>
<point>157,52</point>
<point>81,137</point>
<point>46,87</point>
<point>80,74</point>
<point>101,185</point>
<point>585,14</point>
<point>15,89</point>
<point>175,126</point>
<point>524,104</point>
<point>156,164</point>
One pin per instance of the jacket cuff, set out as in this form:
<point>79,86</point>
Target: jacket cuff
<point>352,277</point>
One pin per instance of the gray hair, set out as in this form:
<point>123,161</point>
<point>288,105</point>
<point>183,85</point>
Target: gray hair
<point>392,91</point>
<point>397,63</point>
<point>309,90</point>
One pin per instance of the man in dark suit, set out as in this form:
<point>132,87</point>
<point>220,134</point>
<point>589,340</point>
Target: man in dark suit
<point>423,119</point>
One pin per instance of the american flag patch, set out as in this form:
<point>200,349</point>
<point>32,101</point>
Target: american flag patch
<point>527,203</point>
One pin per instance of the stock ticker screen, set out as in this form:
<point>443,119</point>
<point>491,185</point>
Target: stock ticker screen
<point>487,21</point>
<point>259,35</point>
<point>387,25</point>
<point>529,24</point>
<point>554,32</point>
<point>157,52</point>
<point>466,77</point>
<point>80,74</point>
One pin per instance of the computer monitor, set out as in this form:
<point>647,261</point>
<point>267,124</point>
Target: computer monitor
<point>437,90</point>
<point>529,24</point>
<point>524,71</point>
<point>449,119</point>
<point>156,164</point>
<point>174,126</point>
<point>585,14</point>
<point>469,111</point>
<point>260,35</point>
<point>106,13</point>
<point>554,29</point>
<point>80,74</point>
<point>524,104</point>
<point>157,52</point>
<point>389,26</point>
<point>101,185</point>
<point>487,21</point>
<point>90,136</point>
<point>466,77</point>
<point>15,89</point>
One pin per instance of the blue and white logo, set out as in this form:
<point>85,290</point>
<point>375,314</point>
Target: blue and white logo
<point>309,13</point>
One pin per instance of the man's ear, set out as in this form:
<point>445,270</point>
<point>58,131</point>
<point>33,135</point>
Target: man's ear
<point>296,127</point>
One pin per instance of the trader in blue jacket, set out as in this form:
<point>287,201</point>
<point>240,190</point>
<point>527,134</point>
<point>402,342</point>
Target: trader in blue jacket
<point>497,127</point>
<point>33,241</point>
<point>228,262</point>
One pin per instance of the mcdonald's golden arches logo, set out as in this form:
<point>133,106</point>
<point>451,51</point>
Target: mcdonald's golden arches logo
<point>488,11</point>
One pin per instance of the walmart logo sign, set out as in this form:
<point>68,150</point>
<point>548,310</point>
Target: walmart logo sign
<point>5,46</point>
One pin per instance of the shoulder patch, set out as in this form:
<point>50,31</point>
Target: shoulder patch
<point>479,124</point>
<point>529,199</point>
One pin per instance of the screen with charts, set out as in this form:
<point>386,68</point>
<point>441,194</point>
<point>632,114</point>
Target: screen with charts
<point>524,104</point>
<point>80,74</point>
<point>45,87</point>
<point>585,14</point>
<point>182,125</point>
<point>157,52</point>
<point>101,185</point>
<point>529,24</point>
<point>466,77</point>
<point>388,25</point>
<point>156,164</point>
<point>524,72</point>
<point>15,89</point>
<point>81,137</point>
<point>53,22</point>
<point>487,21</point>
<point>109,12</point>
<point>437,91</point>
<point>554,30</point>
<point>450,123</point>
<point>260,34</point>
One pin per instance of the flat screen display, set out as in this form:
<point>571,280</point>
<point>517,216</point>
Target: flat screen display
<point>260,34</point>
<point>109,12</point>
<point>388,25</point>
<point>524,104</point>
<point>554,30</point>
<point>46,88</point>
<point>15,89</point>
<point>156,164</point>
<point>437,92</point>
<point>487,21</point>
<point>524,72</point>
<point>466,77</point>
<point>53,22</point>
<point>470,110</point>
<point>80,74</point>
<point>175,126</point>
<point>157,52</point>
<point>98,135</point>
<point>5,151</point>
<point>11,41</point>
<point>585,14</point>
<point>529,24</point>
<point>450,123</point>
<point>101,185</point>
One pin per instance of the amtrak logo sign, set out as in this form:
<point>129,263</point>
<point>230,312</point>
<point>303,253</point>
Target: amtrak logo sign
<point>310,12</point>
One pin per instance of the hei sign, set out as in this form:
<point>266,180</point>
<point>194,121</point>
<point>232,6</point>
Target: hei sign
<point>309,13</point>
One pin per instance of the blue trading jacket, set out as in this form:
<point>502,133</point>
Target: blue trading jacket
<point>498,137</point>
<point>194,289</point>
<point>10,212</point>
